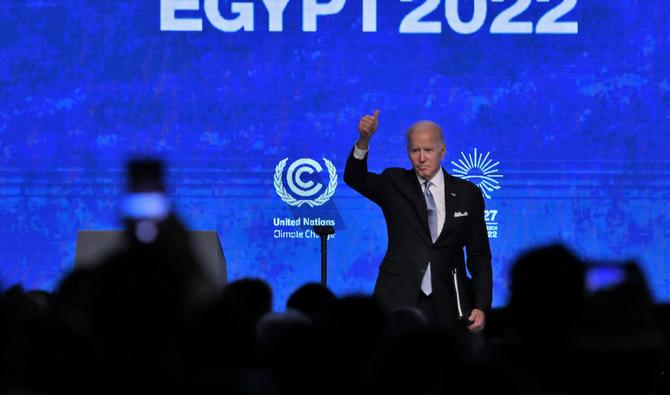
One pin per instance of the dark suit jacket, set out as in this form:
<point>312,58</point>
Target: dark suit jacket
<point>410,248</point>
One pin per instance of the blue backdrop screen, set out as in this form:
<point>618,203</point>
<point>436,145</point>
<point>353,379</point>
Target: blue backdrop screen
<point>558,109</point>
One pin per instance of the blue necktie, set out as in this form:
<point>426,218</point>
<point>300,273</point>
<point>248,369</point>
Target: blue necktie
<point>426,284</point>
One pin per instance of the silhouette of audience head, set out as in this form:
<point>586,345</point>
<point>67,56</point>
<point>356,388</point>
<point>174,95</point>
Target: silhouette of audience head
<point>314,301</point>
<point>546,293</point>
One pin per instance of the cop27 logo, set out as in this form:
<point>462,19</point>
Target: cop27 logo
<point>302,189</point>
<point>480,170</point>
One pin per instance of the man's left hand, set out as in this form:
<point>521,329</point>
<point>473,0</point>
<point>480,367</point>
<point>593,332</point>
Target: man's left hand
<point>478,319</point>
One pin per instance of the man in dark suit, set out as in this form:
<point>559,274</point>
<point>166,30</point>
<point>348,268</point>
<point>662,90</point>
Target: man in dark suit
<point>431,217</point>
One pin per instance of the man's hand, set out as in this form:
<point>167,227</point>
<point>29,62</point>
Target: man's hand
<point>478,319</point>
<point>367,126</point>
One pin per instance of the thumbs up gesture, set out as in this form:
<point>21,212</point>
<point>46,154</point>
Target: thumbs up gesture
<point>367,126</point>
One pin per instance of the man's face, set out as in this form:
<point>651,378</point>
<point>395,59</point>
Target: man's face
<point>426,151</point>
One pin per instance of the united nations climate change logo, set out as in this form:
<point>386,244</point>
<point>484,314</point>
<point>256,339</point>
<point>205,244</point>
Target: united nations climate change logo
<point>479,170</point>
<point>302,190</point>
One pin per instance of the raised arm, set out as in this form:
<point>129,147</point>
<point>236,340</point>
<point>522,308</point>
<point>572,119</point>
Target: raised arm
<point>367,126</point>
<point>356,173</point>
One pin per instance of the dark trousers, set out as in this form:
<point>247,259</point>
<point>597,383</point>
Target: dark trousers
<point>426,306</point>
<point>469,342</point>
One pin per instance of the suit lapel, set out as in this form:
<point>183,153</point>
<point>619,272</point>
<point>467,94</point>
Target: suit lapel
<point>412,190</point>
<point>449,198</point>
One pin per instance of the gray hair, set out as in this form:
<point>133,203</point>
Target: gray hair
<point>425,124</point>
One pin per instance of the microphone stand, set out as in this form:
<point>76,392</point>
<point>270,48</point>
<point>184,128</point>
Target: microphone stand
<point>324,232</point>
